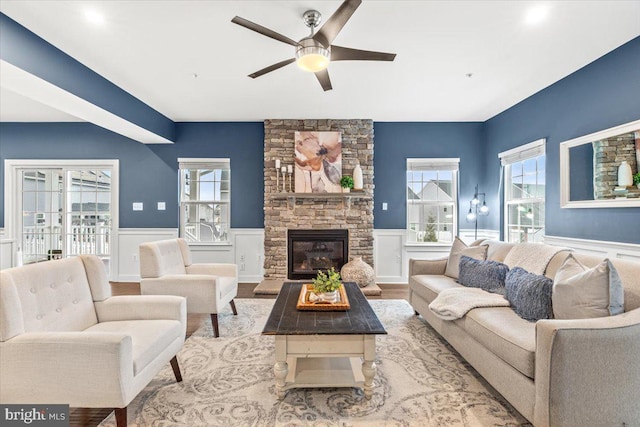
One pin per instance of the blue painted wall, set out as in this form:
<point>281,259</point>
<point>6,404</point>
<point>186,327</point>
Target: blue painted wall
<point>148,173</point>
<point>27,51</point>
<point>395,142</point>
<point>603,94</point>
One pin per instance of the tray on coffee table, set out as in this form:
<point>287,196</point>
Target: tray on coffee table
<point>304,303</point>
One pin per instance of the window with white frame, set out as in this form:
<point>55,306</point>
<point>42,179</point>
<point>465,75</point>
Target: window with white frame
<point>432,194</point>
<point>205,195</point>
<point>524,187</point>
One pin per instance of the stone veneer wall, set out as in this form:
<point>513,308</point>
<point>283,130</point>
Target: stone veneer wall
<point>608,154</point>
<point>357,145</point>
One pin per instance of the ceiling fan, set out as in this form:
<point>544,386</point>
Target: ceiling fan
<point>315,52</point>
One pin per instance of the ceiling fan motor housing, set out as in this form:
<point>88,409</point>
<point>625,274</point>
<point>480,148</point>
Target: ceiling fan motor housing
<point>312,55</point>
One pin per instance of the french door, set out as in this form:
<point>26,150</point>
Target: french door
<point>64,209</point>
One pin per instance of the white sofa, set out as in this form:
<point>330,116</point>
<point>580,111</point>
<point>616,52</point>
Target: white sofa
<point>166,268</point>
<point>573,373</point>
<point>65,340</point>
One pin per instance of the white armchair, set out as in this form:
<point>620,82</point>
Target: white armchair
<point>166,268</point>
<point>64,339</point>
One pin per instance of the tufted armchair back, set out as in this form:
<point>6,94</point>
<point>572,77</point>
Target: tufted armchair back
<point>164,257</point>
<point>52,296</point>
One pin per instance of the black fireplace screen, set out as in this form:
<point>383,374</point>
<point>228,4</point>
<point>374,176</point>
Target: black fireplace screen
<point>311,250</point>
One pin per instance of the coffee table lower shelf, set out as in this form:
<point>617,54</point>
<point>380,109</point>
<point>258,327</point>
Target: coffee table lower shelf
<point>313,361</point>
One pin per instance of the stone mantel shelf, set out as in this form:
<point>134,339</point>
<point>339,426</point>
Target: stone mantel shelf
<point>345,198</point>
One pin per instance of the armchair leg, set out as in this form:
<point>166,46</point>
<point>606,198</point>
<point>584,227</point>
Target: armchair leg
<point>176,369</point>
<point>121,417</point>
<point>233,307</point>
<point>214,323</point>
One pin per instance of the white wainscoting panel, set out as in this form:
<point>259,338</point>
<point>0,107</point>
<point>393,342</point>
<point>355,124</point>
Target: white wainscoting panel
<point>129,239</point>
<point>602,248</point>
<point>249,253</point>
<point>389,256</point>
<point>7,253</point>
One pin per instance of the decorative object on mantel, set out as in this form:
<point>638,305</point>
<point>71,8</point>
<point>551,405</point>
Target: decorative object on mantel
<point>290,174</point>
<point>284,179</point>
<point>318,162</point>
<point>358,271</point>
<point>636,180</point>
<point>624,175</point>
<point>475,209</point>
<point>346,182</point>
<point>277,174</point>
<point>358,182</point>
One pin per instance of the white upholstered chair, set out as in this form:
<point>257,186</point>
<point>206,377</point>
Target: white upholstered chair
<point>166,269</point>
<point>65,340</point>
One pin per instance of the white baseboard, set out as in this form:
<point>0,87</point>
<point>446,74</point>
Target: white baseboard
<point>628,251</point>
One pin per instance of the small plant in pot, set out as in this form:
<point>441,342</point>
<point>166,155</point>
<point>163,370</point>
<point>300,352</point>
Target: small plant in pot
<point>326,285</point>
<point>346,182</point>
<point>636,179</point>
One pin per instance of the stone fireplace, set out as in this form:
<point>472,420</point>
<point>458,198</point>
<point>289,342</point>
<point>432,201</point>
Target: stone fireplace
<point>283,212</point>
<point>311,250</point>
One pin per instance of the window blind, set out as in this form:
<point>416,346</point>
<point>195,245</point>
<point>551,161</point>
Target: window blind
<point>527,151</point>
<point>204,163</point>
<point>433,164</point>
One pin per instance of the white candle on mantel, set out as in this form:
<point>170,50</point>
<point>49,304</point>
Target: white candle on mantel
<point>290,168</point>
<point>277,163</point>
<point>284,169</point>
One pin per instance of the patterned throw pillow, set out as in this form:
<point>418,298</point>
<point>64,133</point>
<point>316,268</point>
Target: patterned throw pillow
<point>529,294</point>
<point>487,275</point>
<point>458,249</point>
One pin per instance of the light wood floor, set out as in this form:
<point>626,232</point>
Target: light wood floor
<point>91,417</point>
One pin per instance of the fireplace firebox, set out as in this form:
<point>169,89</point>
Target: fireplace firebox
<point>311,250</point>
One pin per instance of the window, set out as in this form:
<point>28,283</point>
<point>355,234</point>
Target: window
<point>432,193</point>
<point>63,208</point>
<point>204,200</point>
<point>524,186</point>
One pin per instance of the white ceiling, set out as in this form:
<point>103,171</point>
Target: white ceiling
<point>152,49</point>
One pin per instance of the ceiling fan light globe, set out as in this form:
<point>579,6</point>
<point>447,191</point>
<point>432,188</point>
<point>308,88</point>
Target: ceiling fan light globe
<point>312,58</point>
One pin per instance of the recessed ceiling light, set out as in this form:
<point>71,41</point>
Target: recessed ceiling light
<point>536,14</point>
<point>94,17</point>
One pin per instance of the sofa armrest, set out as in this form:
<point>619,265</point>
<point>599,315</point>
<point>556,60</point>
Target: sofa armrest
<point>55,367</point>
<point>427,266</point>
<point>587,372</point>
<point>229,270</point>
<point>142,307</point>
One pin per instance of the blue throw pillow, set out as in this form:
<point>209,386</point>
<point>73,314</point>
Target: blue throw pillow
<point>529,294</point>
<point>487,275</point>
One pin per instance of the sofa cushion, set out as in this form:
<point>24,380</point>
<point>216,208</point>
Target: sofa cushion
<point>486,275</point>
<point>458,249</point>
<point>429,286</point>
<point>148,337</point>
<point>529,294</point>
<point>498,250</point>
<point>582,293</point>
<point>507,335</point>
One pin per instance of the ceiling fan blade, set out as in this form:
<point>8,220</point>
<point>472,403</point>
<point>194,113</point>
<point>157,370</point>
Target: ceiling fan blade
<point>271,68</point>
<point>339,53</point>
<point>328,32</point>
<point>263,30</point>
<point>323,78</point>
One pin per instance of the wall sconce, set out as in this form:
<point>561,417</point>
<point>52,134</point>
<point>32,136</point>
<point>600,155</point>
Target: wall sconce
<point>477,206</point>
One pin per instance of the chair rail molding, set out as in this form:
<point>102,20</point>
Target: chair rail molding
<point>627,251</point>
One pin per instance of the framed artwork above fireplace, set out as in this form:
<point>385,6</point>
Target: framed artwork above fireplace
<point>318,162</point>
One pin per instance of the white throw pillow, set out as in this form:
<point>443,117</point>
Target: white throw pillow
<point>458,249</point>
<point>580,292</point>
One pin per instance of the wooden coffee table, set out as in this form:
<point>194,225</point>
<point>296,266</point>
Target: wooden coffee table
<point>323,348</point>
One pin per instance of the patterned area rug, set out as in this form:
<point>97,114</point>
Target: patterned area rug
<point>229,381</point>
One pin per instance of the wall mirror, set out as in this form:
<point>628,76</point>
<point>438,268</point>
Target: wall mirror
<point>596,170</point>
